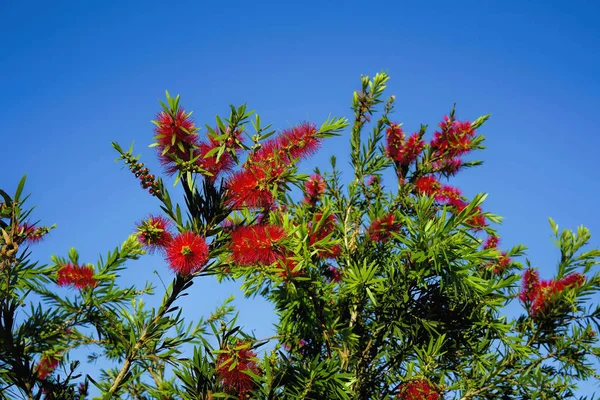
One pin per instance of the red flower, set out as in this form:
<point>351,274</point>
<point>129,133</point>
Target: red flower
<point>419,389</point>
<point>448,166</point>
<point>427,185</point>
<point>46,366</point>
<point>401,151</point>
<point>257,244</point>
<point>476,219</point>
<point>32,234</point>
<point>394,141</point>
<point>176,137</point>
<point>453,140</point>
<point>502,263</point>
<point>381,229</point>
<point>264,168</point>
<point>300,141</point>
<point>450,195</point>
<point>250,188</point>
<point>315,188</point>
<point>170,130</point>
<point>232,369</point>
<point>187,253</point>
<point>80,276</point>
<point>491,242</point>
<point>573,280</point>
<point>542,294</point>
<point>153,233</point>
<point>210,163</point>
<point>529,285</point>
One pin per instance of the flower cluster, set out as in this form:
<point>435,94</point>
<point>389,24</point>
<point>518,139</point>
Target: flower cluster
<point>176,135</point>
<point>381,229</point>
<point>253,185</point>
<point>30,233</point>
<point>187,253</point>
<point>419,389</point>
<point>177,142</point>
<point>502,262</point>
<point>540,295</point>
<point>153,233</point>
<point>257,244</point>
<point>314,188</point>
<point>79,276</point>
<point>453,139</point>
<point>233,366</point>
<point>428,185</point>
<point>47,365</point>
<point>404,152</point>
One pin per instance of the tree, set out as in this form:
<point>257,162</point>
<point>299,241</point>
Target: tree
<point>380,292</point>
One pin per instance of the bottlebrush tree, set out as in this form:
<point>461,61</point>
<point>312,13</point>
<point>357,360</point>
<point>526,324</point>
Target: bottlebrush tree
<point>380,292</point>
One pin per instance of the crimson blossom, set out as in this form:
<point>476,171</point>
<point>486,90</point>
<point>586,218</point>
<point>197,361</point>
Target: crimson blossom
<point>257,244</point>
<point>419,389</point>
<point>187,253</point>
<point>153,233</point>
<point>233,366</point>
<point>79,276</point>
<point>47,365</point>
<point>540,295</point>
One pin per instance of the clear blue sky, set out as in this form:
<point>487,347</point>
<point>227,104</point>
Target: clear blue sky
<point>76,75</point>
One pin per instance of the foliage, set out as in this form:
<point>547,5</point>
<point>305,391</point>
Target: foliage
<point>380,292</point>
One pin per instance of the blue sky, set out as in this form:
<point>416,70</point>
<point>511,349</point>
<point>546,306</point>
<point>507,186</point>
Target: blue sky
<point>75,76</point>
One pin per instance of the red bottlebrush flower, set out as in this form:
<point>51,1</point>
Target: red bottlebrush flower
<point>79,276</point>
<point>46,366</point>
<point>233,366</point>
<point>477,221</point>
<point>449,194</point>
<point>543,293</point>
<point>491,242</point>
<point>453,140</point>
<point>448,166</point>
<point>170,130</point>
<point>315,188</point>
<point>419,389</point>
<point>573,280</point>
<point>412,148</point>
<point>250,188</point>
<point>427,185</point>
<point>502,263</point>
<point>300,141</point>
<point>257,244</point>
<point>210,163</point>
<point>176,138</point>
<point>153,233</point>
<point>32,234</point>
<point>401,151</point>
<point>381,229</point>
<point>395,141</point>
<point>187,253</point>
